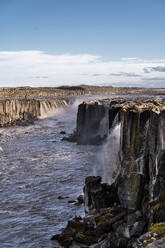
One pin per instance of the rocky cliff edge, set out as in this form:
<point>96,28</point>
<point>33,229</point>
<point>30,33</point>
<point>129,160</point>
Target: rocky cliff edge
<point>130,211</point>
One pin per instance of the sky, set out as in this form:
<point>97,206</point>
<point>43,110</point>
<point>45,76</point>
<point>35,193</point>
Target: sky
<point>72,42</point>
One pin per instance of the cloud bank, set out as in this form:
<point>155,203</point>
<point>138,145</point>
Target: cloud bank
<point>37,68</point>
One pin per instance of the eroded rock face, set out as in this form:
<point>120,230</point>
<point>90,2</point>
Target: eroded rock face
<point>142,145</point>
<point>13,111</point>
<point>94,118</point>
<point>98,195</point>
<point>108,227</point>
<point>130,212</point>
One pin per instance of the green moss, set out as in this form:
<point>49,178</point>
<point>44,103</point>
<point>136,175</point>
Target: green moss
<point>93,212</point>
<point>103,219</point>
<point>158,206</point>
<point>148,241</point>
<point>158,228</point>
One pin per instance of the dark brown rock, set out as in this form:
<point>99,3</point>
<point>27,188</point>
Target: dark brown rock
<point>123,214</point>
<point>97,195</point>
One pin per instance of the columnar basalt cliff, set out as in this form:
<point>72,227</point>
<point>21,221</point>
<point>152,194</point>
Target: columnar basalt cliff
<point>14,111</point>
<point>23,103</point>
<point>142,142</point>
<point>130,211</point>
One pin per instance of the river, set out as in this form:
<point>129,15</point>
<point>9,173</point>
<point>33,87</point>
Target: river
<point>37,169</point>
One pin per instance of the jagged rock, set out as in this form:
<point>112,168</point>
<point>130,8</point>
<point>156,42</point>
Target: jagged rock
<point>155,233</point>
<point>62,197</point>
<point>118,227</point>
<point>142,138</point>
<point>130,211</point>
<point>79,230</point>
<point>80,199</point>
<point>111,241</point>
<point>62,132</point>
<point>71,138</point>
<point>160,243</point>
<point>159,212</point>
<point>97,195</point>
<point>71,201</point>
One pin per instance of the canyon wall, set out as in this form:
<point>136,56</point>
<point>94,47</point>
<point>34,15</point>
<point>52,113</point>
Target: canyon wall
<point>142,145</point>
<point>13,111</point>
<point>27,103</point>
<point>129,212</point>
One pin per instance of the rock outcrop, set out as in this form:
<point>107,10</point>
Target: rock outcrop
<point>14,111</point>
<point>142,143</point>
<point>98,195</point>
<point>131,211</point>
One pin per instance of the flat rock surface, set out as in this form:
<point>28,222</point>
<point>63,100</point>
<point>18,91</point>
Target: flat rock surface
<point>133,105</point>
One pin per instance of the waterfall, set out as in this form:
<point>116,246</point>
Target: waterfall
<point>50,108</point>
<point>108,156</point>
<point>162,133</point>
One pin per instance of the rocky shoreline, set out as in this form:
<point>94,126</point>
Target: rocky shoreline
<point>129,212</point>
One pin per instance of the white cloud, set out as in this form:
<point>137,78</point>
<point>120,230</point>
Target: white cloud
<point>37,68</point>
<point>129,59</point>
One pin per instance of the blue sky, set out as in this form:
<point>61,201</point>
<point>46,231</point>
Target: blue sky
<point>109,30</point>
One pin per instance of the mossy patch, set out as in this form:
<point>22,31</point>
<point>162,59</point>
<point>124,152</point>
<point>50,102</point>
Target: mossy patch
<point>158,206</point>
<point>156,232</point>
<point>158,228</point>
<point>148,241</point>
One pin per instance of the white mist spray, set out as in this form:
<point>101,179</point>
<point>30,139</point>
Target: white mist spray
<point>50,108</point>
<point>162,133</point>
<point>108,156</point>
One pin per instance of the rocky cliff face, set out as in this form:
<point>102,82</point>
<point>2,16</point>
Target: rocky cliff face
<point>13,111</point>
<point>23,103</point>
<point>134,204</point>
<point>142,143</point>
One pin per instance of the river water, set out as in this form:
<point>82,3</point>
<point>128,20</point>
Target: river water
<point>36,168</point>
